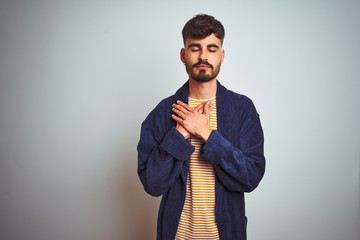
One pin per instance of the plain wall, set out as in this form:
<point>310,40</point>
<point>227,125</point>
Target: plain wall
<point>77,78</point>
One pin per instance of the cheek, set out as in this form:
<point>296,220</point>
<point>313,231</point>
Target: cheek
<point>219,58</point>
<point>218,61</point>
<point>190,61</point>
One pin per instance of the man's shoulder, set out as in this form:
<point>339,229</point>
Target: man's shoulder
<point>234,97</point>
<point>165,103</point>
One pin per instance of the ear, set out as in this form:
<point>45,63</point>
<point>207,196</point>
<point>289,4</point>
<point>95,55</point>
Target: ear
<point>222,55</point>
<point>182,55</point>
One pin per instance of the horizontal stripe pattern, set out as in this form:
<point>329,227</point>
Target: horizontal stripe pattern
<point>197,219</point>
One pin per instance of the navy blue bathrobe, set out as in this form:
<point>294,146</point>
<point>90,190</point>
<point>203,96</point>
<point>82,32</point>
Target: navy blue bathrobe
<point>235,150</point>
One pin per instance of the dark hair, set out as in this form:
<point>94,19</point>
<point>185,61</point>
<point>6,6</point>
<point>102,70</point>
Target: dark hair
<point>201,26</point>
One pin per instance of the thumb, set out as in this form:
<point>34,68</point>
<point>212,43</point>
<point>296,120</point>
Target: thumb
<point>200,107</point>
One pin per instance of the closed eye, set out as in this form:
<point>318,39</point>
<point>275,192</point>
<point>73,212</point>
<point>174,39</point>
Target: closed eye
<point>212,47</point>
<point>195,48</point>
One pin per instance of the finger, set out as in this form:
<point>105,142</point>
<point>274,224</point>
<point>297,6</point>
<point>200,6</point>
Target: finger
<point>187,107</point>
<point>200,107</point>
<point>208,107</point>
<point>177,119</point>
<point>212,106</point>
<point>180,113</point>
<point>183,106</point>
<point>179,110</point>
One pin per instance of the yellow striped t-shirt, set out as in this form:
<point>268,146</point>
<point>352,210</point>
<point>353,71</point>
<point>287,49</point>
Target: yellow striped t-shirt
<point>197,219</point>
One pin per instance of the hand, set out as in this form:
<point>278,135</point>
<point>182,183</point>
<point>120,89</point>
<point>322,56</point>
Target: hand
<point>193,121</point>
<point>182,130</point>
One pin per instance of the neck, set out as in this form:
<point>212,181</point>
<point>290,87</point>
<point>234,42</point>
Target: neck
<point>202,90</point>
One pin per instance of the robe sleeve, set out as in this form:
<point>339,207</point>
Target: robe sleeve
<point>238,168</point>
<point>161,159</point>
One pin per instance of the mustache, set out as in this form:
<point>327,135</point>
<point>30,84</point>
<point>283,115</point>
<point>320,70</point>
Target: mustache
<point>203,62</point>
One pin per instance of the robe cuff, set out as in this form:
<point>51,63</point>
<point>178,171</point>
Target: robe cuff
<point>215,148</point>
<point>176,145</point>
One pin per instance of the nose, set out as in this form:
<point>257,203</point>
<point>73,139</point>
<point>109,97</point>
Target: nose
<point>203,55</point>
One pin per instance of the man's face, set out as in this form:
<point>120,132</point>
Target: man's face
<point>202,58</point>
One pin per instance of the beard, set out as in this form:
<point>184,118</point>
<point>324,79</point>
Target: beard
<point>202,75</point>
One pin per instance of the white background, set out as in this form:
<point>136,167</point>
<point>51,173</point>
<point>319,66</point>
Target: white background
<point>77,78</point>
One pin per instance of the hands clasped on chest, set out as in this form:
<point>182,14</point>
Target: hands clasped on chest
<point>193,121</point>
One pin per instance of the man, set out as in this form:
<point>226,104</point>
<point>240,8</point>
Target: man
<point>202,148</point>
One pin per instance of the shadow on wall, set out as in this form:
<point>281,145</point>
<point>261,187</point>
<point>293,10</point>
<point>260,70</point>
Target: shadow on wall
<point>138,210</point>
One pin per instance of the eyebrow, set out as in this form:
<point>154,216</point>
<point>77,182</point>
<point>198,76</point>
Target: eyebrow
<point>199,45</point>
<point>213,45</point>
<point>194,45</point>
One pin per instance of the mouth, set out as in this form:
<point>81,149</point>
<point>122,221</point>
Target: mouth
<point>202,65</point>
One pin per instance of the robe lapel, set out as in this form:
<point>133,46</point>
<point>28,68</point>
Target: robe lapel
<point>224,116</point>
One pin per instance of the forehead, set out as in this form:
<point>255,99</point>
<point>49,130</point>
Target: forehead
<point>209,40</point>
